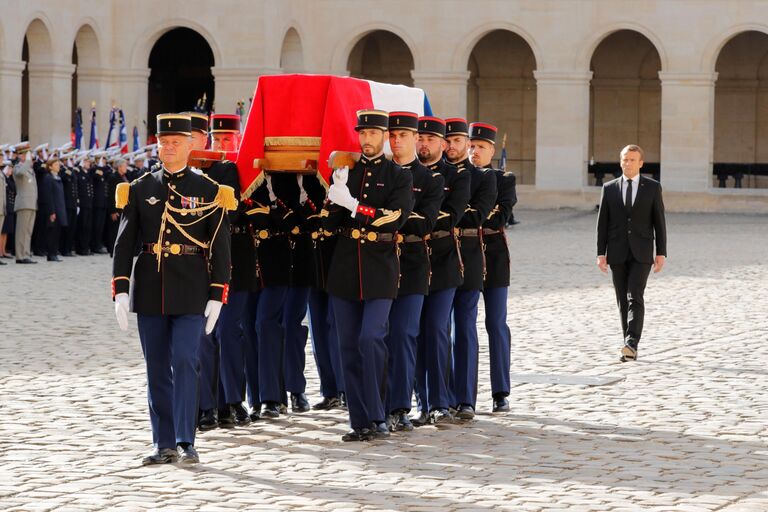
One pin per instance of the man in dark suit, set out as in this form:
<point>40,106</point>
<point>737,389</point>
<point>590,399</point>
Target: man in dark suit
<point>631,213</point>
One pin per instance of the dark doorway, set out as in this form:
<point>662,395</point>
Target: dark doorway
<point>25,92</point>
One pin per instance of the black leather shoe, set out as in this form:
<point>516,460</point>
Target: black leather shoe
<point>299,402</point>
<point>465,412</point>
<point>188,455</point>
<point>164,456</point>
<point>100,250</point>
<point>403,422</point>
<point>226,419</point>
<point>379,431</point>
<point>241,414</point>
<point>256,414</point>
<point>3,263</point>
<point>441,417</point>
<point>270,410</point>
<point>421,420</point>
<point>500,403</point>
<point>327,403</point>
<point>68,255</point>
<point>26,261</point>
<point>39,254</point>
<point>207,420</point>
<point>357,434</point>
<point>54,258</point>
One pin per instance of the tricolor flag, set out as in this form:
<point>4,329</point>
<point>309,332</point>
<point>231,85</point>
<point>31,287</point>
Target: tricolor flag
<point>316,106</point>
<point>123,134</point>
<point>111,133</point>
<point>78,142</point>
<point>94,141</point>
<point>136,144</point>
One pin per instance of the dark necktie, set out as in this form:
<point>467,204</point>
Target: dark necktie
<point>628,197</point>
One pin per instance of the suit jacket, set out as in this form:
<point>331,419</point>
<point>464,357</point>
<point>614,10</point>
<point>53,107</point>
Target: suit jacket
<point>621,232</point>
<point>26,186</point>
<point>496,251</point>
<point>52,199</point>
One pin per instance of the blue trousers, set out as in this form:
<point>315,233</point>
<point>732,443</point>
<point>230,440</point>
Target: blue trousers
<point>499,338</point>
<point>325,344</point>
<point>208,354</point>
<point>362,327</point>
<point>170,347</point>
<point>252,350</point>
<point>465,347</point>
<point>269,331</point>
<point>295,339</point>
<point>433,359</point>
<point>402,340</point>
<point>234,334</point>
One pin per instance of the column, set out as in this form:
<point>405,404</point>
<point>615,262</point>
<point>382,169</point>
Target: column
<point>562,129</point>
<point>236,84</point>
<point>687,130</point>
<point>10,101</point>
<point>447,91</point>
<point>50,92</point>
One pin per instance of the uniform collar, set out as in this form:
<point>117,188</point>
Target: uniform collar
<point>463,164</point>
<point>410,164</point>
<point>377,160</point>
<point>175,176</point>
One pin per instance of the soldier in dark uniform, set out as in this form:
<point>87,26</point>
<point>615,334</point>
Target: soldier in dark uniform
<point>7,229</point>
<point>113,214</point>
<point>69,179</point>
<point>405,315</point>
<point>469,229</point>
<point>39,158</point>
<point>85,199</point>
<point>367,204</point>
<point>53,208</point>
<point>180,280</point>
<point>100,202</point>
<point>496,284</point>
<point>433,358</point>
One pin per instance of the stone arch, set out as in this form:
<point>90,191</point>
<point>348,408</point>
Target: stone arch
<point>292,52</point>
<point>464,50</point>
<point>147,40</point>
<point>584,57</point>
<point>36,86</point>
<point>382,56</point>
<point>341,54</point>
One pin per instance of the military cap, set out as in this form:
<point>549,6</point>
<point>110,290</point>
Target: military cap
<point>41,147</point>
<point>199,121</point>
<point>225,123</point>
<point>404,121</point>
<point>371,118</point>
<point>21,147</point>
<point>483,131</point>
<point>456,126</point>
<point>432,126</point>
<point>174,124</point>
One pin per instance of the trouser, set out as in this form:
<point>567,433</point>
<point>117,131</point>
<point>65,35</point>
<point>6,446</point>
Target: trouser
<point>295,339</point>
<point>25,223</point>
<point>97,234</point>
<point>169,344</point>
<point>362,327</point>
<point>110,233</point>
<point>402,340</point>
<point>499,338</point>
<point>209,379</point>
<point>251,347</point>
<point>39,232</point>
<point>52,233</point>
<point>234,333</point>
<point>325,344</point>
<point>465,347</point>
<point>629,280</point>
<point>269,331</point>
<point>433,356</point>
<point>69,233</point>
<point>84,228</point>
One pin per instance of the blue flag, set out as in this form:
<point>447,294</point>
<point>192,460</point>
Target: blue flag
<point>78,128</point>
<point>135,138</point>
<point>94,142</point>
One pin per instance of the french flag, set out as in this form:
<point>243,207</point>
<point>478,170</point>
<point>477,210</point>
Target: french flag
<point>316,106</point>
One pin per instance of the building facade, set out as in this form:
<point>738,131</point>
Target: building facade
<point>569,82</point>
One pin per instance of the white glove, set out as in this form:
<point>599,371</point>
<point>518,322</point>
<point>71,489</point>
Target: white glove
<point>272,196</point>
<point>339,194</point>
<point>122,305</point>
<point>340,175</point>
<point>302,192</point>
<point>212,310</point>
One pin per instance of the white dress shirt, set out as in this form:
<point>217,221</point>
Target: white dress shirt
<point>635,186</point>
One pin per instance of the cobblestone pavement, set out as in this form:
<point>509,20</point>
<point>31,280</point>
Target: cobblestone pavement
<point>686,429</point>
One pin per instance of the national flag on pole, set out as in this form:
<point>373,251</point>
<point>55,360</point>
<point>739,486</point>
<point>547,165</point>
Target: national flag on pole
<point>78,142</point>
<point>316,106</point>
<point>136,144</point>
<point>111,133</point>
<point>123,134</point>
<point>94,141</point>
<point>503,159</point>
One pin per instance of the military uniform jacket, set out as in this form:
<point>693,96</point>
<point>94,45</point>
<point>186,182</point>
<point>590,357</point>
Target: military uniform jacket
<point>85,187</point>
<point>362,269</point>
<point>69,178</point>
<point>173,209</point>
<point>10,194</point>
<point>100,189</point>
<point>322,242</point>
<point>496,249</point>
<point>482,199</point>
<point>52,191</point>
<point>415,270</point>
<point>445,259</point>
<point>225,173</point>
<point>2,194</point>
<point>26,186</point>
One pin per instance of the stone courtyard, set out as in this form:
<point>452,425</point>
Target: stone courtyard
<point>684,428</point>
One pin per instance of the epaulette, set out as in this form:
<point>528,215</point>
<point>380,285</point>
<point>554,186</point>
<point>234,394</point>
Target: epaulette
<point>122,192</point>
<point>226,197</point>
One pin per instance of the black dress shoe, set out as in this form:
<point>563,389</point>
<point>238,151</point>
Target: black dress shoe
<point>54,258</point>
<point>299,402</point>
<point>241,414</point>
<point>68,255</point>
<point>465,412</point>
<point>84,253</point>
<point>207,420</point>
<point>404,422</point>
<point>500,403</point>
<point>3,263</point>
<point>164,456</point>
<point>188,455</point>
<point>226,419</point>
<point>100,250</point>
<point>379,430</point>
<point>39,254</point>
<point>270,410</point>
<point>357,434</point>
<point>422,419</point>
<point>441,417</point>
<point>26,261</point>
<point>327,403</point>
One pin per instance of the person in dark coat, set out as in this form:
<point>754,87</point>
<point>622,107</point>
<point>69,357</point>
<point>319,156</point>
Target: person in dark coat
<point>53,208</point>
<point>113,213</point>
<point>6,228</point>
<point>68,175</point>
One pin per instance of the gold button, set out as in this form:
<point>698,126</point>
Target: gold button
<point>172,196</point>
<point>167,242</point>
<point>369,174</point>
<point>365,195</point>
<point>367,185</point>
<point>165,254</point>
<point>168,231</point>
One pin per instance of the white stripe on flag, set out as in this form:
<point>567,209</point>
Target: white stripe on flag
<point>392,98</point>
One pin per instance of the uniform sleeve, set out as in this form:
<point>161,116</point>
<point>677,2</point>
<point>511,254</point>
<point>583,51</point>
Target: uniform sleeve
<point>659,223</point>
<point>505,200</point>
<point>422,219</point>
<point>220,260</point>
<point>125,246</point>
<point>390,217</point>
<point>454,205</point>
<point>481,203</point>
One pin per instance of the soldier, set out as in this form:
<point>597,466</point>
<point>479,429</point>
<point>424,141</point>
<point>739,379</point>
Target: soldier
<point>433,358</point>
<point>53,207</point>
<point>39,157</point>
<point>469,230</point>
<point>25,206</point>
<point>4,165</point>
<point>368,204</point>
<point>180,280</point>
<point>100,202</point>
<point>405,315</point>
<point>85,199</point>
<point>8,227</point>
<point>69,180</point>
<point>113,213</point>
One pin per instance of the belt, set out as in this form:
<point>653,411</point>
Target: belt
<point>440,234</point>
<point>466,232</point>
<point>371,236</point>
<point>488,231</point>
<point>409,239</point>
<point>263,234</point>
<point>321,233</point>
<point>175,249</point>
